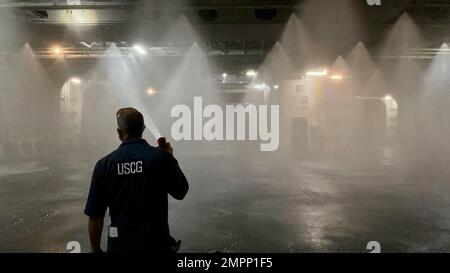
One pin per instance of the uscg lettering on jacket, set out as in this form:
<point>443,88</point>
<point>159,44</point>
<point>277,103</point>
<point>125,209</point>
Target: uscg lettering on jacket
<point>129,168</point>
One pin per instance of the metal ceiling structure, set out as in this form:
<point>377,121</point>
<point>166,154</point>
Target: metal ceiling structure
<point>85,29</point>
<point>103,12</point>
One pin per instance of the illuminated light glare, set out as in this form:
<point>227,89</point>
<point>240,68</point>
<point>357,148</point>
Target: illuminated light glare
<point>251,73</point>
<point>56,50</point>
<point>139,49</point>
<point>151,91</point>
<point>73,2</point>
<point>276,87</point>
<point>224,77</point>
<point>337,77</point>
<point>388,97</point>
<point>318,73</point>
<point>75,80</point>
<point>261,87</point>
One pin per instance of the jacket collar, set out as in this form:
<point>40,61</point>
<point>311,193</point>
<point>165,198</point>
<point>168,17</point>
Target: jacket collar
<point>133,141</point>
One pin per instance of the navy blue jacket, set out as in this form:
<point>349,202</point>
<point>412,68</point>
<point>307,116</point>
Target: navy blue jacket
<point>133,182</point>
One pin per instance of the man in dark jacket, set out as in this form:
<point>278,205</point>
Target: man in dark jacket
<point>134,182</point>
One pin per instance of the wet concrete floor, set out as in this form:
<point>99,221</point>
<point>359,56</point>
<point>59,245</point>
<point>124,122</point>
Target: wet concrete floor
<point>248,206</point>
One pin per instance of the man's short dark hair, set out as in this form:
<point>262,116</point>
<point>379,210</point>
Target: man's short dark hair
<point>130,121</point>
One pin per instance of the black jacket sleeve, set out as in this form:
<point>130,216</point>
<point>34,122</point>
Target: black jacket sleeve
<point>177,184</point>
<point>96,204</point>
